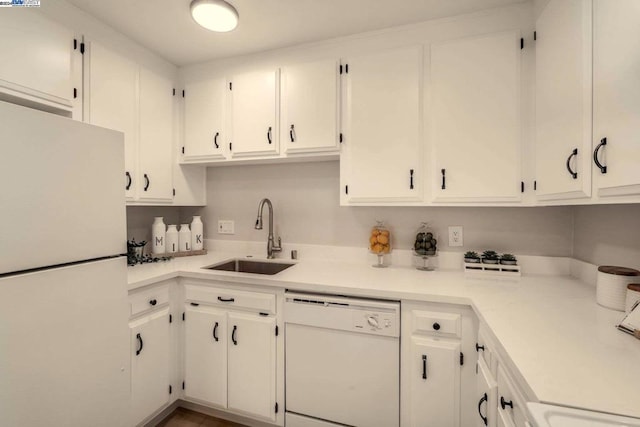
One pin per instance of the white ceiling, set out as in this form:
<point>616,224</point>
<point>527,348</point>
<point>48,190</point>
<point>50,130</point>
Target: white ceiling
<point>166,26</point>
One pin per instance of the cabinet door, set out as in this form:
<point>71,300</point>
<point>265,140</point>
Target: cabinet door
<point>474,119</point>
<point>155,176</point>
<point>382,155</point>
<point>563,100</point>
<point>487,392</point>
<point>253,114</point>
<point>204,136</point>
<point>435,382</point>
<point>310,107</point>
<point>149,364</point>
<point>616,91</point>
<point>36,58</point>
<point>113,103</point>
<point>252,365</point>
<point>205,355</point>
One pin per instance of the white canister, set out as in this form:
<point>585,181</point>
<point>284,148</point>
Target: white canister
<point>611,286</point>
<point>184,237</point>
<point>633,296</point>
<point>197,234</point>
<point>158,236</point>
<point>172,239</point>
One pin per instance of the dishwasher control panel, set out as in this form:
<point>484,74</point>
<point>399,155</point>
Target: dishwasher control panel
<point>374,321</point>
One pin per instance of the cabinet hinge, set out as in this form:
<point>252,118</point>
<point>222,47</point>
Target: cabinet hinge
<point>170,318</point>
<point>346,189</point>
<point>174,91</point>
<point>183,321</point>
<point>521,43</point>
<point>535,35</point>
<point>75,44</point>
<point>461,359</point>
<point>182,150</point>
<point>276,408</point>
<point>341,138</point>
<point>277,330</point>
<point>522,186</point>
<point>230,85</point>
<point>535,185</point>
<point>174,192</point>
<point>82,48</point>
<point>346,69</point>
<point>183,385</point>
<point>75,93</point>
<point>340,68</point>
<point>230,146</point>
<point>183,93</point>
<point>170,389</point>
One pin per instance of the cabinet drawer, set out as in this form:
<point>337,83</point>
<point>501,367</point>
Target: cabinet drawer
<point>436,323</point>
<point>149,299</point>
<point>231,298</point>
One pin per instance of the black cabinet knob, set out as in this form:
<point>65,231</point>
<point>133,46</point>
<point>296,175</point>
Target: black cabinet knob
<point>479,347</point>
<point>505,403</point>
<point>153,302</point>
<point>436,326</point>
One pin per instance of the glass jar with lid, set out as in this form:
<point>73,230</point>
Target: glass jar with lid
<point>380,242</point>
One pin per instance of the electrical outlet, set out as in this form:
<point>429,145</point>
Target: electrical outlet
<point>455,235</point>
<point>226,226</point>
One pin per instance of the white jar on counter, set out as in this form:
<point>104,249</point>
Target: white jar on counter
<point>611,286</point>
<point>197,234</point>
<point>172,239</point>
<point>184,237</point>
<point>158,236</point>
<point>633,296</point>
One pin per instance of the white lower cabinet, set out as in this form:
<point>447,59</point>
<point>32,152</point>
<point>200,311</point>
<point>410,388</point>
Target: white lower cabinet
<point>150,364</point>
<point>230,351</point>
<point>486,394</point>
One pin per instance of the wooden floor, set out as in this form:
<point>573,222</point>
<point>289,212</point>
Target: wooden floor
<point>185,418</point>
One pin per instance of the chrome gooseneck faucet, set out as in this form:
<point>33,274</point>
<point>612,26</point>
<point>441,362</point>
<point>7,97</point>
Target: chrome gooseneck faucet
<point>271,246</point>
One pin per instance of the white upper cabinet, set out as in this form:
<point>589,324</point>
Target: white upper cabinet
<point>204,115</point>
<point>473,119</point>
<point>309,107</point>
<point>616,98</point>
<point>112,102</point>
<point>156,137</point>
<point>37,59</point>
<point>381,160</point>
<point>563,100</point>
<point>254,113</point>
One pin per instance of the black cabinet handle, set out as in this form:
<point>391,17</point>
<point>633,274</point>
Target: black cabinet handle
<point>603,168</point>
<point>410,179</point>
<point>482,400</point>
<point>571,172</point>
<point>424,366</point>
<point>153,302</point>
<point>292,134</point>
<point>505,403</point>
<point>269,135</point>
<point>436,326</point>
<point>129,180</point>
<point>147,182</point>
<point>226,299</point>
<point>233,335</point>
<point>479,347</point>
<point>215,139</point>
<point>215,331</point>
<point>444,182</point>
<point>140,343</point>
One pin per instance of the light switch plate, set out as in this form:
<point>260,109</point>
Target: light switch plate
<point>226,226</point>
<point>455,235</point>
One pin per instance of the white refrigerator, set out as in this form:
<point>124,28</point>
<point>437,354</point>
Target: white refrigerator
<point>64,341</point>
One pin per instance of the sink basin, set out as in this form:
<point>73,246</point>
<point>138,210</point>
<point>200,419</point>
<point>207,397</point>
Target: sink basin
<point>250,266</point>
<point>557,416</point>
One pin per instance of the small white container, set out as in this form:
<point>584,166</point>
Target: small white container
<point>611,286</point>
<point>184,238</point>
<point>158,236</point>
<point>172,239</point>
<point>197,234</point>
<point>633,296</point>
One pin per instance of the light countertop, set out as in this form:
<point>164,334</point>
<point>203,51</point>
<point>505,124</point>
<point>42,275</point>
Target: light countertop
<point>558,340</point>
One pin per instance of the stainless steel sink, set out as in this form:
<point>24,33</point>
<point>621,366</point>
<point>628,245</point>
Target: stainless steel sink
<point>250,266</point>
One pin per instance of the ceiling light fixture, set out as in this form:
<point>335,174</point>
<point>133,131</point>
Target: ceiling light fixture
<point>214,15</point>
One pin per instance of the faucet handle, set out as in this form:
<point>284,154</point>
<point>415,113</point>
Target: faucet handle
<point>277,248</point>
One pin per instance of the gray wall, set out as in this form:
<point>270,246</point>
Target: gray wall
<point>306,204</point>
<point>140,218</point>
<point>607,235</point>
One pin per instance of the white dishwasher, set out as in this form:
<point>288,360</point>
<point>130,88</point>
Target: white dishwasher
<point>342,360</point>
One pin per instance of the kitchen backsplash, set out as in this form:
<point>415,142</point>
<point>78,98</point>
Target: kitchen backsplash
<point>140,218</point>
